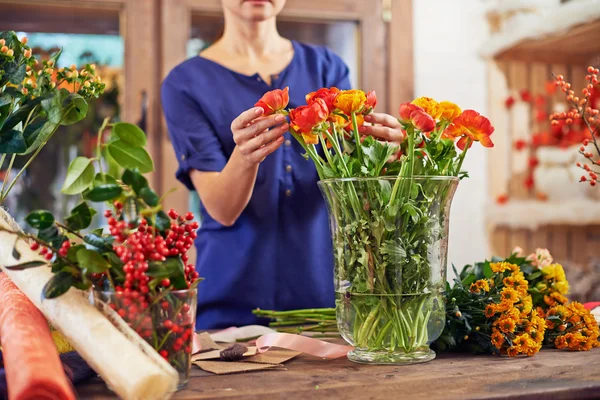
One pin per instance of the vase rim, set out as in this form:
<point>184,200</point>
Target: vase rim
<point>170,291</point>
<point>390,178</point>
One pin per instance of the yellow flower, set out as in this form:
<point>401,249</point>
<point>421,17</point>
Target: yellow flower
<point>497,338</point>
<point>503,266</point>
<point>430,106</point>
<point>559,298</point>
<point>506,325</point>
<point>509,295</point>
<point>449,111</point>
<point>349,101</point>
<point>478,286</point>
<point>490,310</point>
<point>512,351</point>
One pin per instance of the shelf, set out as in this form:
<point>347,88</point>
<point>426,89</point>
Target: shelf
<point>567,34</point>
<point>531,214</point>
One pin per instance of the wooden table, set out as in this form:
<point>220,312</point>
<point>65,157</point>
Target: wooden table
<point>551,374</point>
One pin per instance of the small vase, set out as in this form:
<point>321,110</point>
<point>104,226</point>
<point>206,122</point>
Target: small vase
<point>390,242</point>
<point>166,322</point>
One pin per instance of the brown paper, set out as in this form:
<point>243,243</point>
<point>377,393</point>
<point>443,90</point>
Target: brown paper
<point>207,343</point>
<point>228,367</point>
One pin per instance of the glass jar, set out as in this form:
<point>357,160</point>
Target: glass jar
<point>390,243</point>
<point>166,322</point>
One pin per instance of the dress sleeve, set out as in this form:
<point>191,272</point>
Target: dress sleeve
<point>195,140</point>
<point>337,72</point>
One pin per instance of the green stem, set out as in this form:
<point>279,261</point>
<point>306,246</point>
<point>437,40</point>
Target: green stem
<point>99,147</point>
<point>357,137</point>
<point>461,158</point>
<point>2,160</point>
<point>409,162</point>
<point>2,194</point>
<point>327,154</point>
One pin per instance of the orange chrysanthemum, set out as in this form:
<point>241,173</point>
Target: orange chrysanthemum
<point>471,127</point>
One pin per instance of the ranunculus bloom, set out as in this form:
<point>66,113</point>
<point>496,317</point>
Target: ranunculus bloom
<point>449,111</point>
<point>371,99</point>
<point>360,120</point>
<point>474,126</point>
<point>422,121</point>
<point>415,115</point>
<point>273,101</point>
<point>349,101</point>
<point>304,118</point>
<point>328,95</point>
<point>406,109</point>
<point>430,106</point>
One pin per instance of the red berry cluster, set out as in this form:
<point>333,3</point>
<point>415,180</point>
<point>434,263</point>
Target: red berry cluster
<point>44,251</point>
<point>582,111</point>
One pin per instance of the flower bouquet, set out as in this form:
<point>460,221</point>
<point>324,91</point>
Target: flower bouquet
<point>388,205</point>
<point>513,307</point>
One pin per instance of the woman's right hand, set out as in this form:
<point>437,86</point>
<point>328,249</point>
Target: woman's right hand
<point>252,136</point>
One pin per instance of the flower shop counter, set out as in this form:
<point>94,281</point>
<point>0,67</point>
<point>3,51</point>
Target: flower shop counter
<point>550,374</point>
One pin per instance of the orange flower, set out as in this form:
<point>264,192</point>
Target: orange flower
<point>360,120</point>
<point>274,101</point>
<point>429,105</point>
<point>449,111</point>
<point>471,126</point>
<point>328,95</point>
<point>415,115</point>
<point>349,101</point>
<point>304,118</point>
<point>371,99</point>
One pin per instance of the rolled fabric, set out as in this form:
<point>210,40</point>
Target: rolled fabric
<point>33,367</point>
<point>128,365</point>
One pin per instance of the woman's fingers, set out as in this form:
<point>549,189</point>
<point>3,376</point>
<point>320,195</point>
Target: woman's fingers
<point>264,151</point>
<point>259,126</point>
<point>245,118</point>
<point>263,138</point>
<point>388,128</point>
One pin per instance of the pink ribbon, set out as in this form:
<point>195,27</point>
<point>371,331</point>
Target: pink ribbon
<point>303,344</point>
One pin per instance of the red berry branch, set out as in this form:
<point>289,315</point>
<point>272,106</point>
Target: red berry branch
<point>583,109</point>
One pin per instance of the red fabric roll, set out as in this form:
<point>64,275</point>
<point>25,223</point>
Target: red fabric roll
<point>592,305</point>
<point>31,360</point>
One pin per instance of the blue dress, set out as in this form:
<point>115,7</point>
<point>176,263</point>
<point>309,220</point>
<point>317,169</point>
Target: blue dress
<point>277,255</point>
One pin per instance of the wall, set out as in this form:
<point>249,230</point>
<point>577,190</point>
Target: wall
<point>447,67</point>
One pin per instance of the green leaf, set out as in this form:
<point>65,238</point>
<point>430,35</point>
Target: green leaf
<point>131,157</point>
<point>58,285</point>
<point>51,235</point>
<point>101,179</point>
<point>163,222</point>
<point>81,217</point>
<point>130,134</point>
<point>82,285</point>
<point>91,261</point>
<point>65,108</point>
<point>149,196</point>
<point>102,243</point>
<point>171,268</point>
<point>26,265</point>
<point>22,113</point>
<point>104,192</point>
<point>37,133</point>
<point>72,252</point>
<point>487,270</point>
<point>533,276</point>
<point>12,142</point>
<point>40,219</point>
<point>135,180</point>
<point>79,176</point>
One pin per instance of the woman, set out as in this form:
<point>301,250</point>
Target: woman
<point>264,240</point>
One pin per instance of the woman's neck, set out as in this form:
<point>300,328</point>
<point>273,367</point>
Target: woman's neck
<point>251,38</point>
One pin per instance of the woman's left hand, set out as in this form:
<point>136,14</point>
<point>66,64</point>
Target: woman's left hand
<point>385,127</point>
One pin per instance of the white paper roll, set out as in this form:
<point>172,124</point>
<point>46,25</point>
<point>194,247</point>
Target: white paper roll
<point>128,365</point>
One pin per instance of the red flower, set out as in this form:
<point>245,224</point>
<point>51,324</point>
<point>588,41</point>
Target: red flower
<point>471,126</point>
<point>520,144</point>
<point>533,162</point>
<point>502,199</point>
<point>541,116</point>
<point>509,102</point>
<point>551,87</point>
<point>528,182</point>
<point>525,95</point>
<point>371,99</point>
<point>415,115</point>
<point>540,100</point>
<point>327,95</point>
<point>273,101</point>
<point>304,118</point>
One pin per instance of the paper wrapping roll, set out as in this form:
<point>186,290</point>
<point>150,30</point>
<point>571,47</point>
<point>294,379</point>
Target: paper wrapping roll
<point>129,366</point>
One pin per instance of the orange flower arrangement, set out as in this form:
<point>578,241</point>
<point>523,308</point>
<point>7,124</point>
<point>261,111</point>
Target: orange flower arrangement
<point>274,101</point>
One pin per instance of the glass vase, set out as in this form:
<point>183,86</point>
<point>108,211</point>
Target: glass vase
<point>390,243</point>
<point>165,321</point>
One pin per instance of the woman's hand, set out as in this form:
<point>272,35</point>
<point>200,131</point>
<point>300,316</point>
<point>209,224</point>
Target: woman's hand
<point>252,136</point>
<point>385,128</point>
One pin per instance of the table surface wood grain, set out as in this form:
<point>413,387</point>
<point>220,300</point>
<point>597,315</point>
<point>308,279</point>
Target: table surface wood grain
<point>551,374</point>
